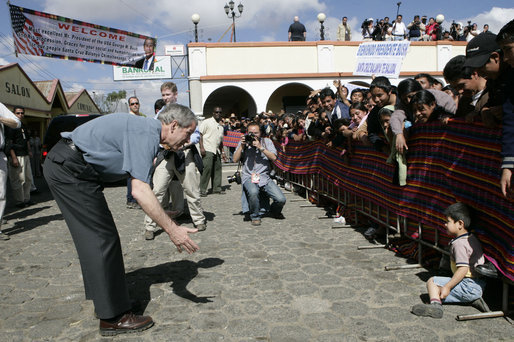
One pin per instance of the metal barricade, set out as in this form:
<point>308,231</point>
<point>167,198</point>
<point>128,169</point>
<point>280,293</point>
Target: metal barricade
<point>314,183</point>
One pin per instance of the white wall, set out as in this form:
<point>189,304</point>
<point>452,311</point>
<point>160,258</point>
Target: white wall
<point>261,68</point>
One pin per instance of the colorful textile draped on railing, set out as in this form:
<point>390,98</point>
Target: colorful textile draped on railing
<point>446,164</point>
<point>232,138</point>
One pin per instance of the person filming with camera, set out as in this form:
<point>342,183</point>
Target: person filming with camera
<point>256,154</point>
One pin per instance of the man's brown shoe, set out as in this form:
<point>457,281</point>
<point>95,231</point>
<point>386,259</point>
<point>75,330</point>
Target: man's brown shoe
<point>128,323</point>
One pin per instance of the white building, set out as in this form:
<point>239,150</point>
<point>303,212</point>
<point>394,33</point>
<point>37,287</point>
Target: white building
<point>248,78</point>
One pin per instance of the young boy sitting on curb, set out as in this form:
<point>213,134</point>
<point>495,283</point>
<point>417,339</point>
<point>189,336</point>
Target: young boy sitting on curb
<point>465,254</point>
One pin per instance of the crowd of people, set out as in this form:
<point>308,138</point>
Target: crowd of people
<point>419,29</point>
<point>478,87</point>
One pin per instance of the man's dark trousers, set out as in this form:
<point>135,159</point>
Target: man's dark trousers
<point>78,192</point>
<point>211,171</point>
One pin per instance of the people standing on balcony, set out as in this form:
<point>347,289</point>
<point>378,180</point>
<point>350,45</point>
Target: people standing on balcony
<point>470,34</point>
<point>431,30</point>
<point>380,30</point>
<point>399,29</point>
<point>416,29</point>
<point>297,31</point>
<point>367,29</point>
<point>344,31</point>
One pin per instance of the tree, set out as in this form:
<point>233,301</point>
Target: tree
<point>109,104</point>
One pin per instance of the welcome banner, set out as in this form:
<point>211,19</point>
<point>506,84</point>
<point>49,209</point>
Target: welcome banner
<point>49,35</point>
<point>381,58</point>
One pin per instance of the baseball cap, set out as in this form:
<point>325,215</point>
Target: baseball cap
<point>479,49</point>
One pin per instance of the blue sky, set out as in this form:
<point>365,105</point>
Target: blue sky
<point>263,20</point>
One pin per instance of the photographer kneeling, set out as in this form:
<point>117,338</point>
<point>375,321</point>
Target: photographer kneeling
<point>256,155</point>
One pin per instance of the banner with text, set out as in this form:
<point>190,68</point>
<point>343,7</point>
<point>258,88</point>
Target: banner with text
<point>381,58</point>
<point>161,69</point>
<point>49,35</point>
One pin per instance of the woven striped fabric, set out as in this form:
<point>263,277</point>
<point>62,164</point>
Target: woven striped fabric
<point>459,162</point>
<point>232,138</point>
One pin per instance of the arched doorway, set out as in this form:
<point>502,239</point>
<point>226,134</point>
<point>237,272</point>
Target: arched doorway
<point>291,97</point>
<point>232,100</point>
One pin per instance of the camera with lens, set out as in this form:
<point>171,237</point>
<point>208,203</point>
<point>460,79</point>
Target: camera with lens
<point>469,27</point>
<point>365,23</point>
<point>236,177</point>
<point>454,31</point>
<point>249,138</point>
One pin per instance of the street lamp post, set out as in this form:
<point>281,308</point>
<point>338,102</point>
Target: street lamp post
<point>229,10</point>
<point>321,19</point>
<point>196,19</point>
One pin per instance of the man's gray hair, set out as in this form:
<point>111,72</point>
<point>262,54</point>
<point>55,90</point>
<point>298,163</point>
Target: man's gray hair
<point>183,115</point>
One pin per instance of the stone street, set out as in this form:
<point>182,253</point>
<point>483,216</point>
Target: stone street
<point>288,280</point>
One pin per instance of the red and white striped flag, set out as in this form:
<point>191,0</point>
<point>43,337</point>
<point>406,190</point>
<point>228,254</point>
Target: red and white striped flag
<point>25,39</point>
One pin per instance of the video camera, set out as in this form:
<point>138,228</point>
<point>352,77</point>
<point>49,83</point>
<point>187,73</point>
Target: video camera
<point>366,23</point>
<point>468,27</point>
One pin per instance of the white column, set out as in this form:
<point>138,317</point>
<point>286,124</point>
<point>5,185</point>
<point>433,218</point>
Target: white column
<point>326,58</point>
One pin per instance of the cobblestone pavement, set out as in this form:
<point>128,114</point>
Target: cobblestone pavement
<point>290,280</point>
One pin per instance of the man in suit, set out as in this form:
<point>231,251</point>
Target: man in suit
<point>147,62</point>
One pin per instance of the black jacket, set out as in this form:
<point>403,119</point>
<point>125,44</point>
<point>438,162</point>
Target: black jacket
<point>16,139</point>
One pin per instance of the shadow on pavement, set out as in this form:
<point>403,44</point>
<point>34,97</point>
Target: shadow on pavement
<point>29,224</point>
<point>178,273</point>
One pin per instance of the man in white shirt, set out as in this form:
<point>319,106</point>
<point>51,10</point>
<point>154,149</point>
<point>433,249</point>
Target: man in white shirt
<point>6,118</point>
<point>399,29</point>
<point>212,151</point>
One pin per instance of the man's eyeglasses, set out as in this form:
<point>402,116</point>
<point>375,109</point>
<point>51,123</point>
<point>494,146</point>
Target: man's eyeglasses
<point>217,112</point>
<point>20,113</point>
<point>134,103</point>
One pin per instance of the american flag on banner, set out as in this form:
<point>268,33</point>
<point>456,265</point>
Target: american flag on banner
<point>25,39</point>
